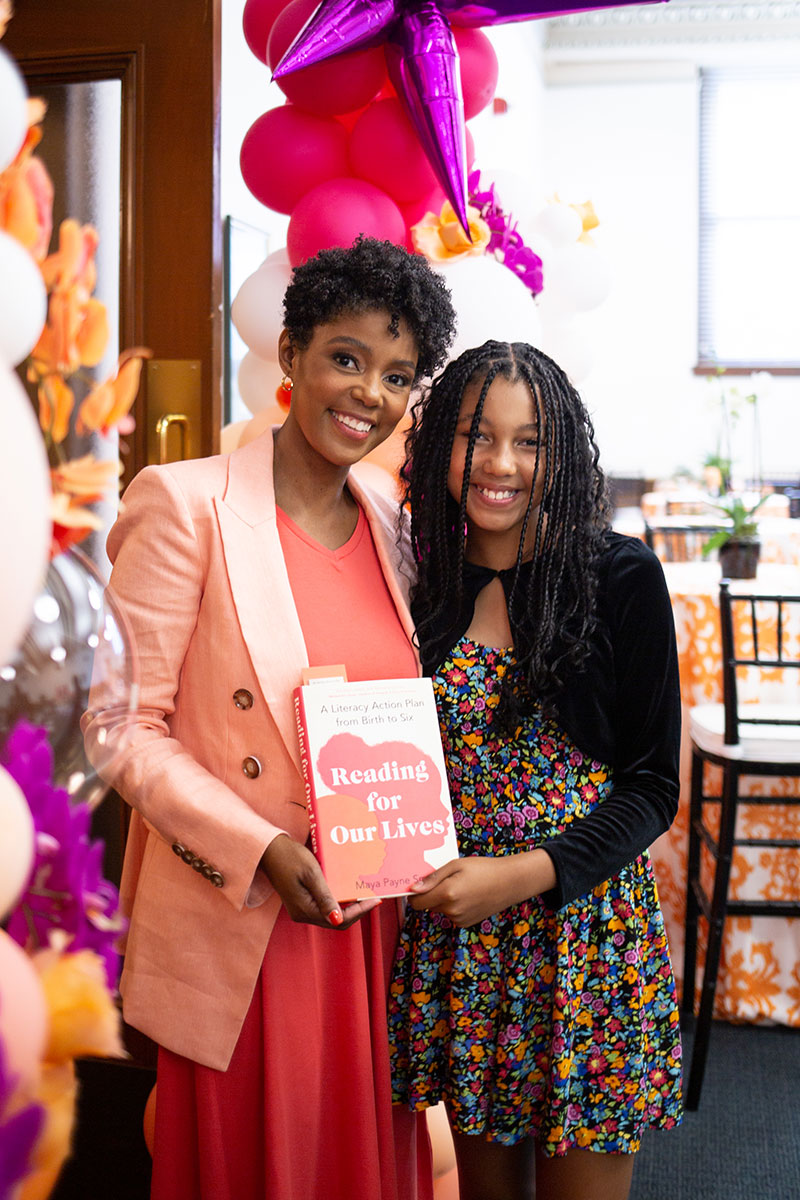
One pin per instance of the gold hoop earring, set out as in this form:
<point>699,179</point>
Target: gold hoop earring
<point>287,383</point>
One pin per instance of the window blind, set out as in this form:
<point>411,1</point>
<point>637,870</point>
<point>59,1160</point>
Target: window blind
<point>749,219</point>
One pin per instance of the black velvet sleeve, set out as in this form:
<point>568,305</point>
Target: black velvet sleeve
<point>623,708</point>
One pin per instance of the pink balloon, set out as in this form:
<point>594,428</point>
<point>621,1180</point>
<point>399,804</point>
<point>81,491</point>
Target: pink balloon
<point>23,1015</point>
<point>288,151</point>
<point>478,65</point>
<point>336,212</point>
<point>385,149</point>
<point>416,209</point>
<point>339,85</point>
<point>257,21</point>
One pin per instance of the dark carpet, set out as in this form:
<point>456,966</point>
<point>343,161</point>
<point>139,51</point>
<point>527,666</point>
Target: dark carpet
<point>743,1143</point>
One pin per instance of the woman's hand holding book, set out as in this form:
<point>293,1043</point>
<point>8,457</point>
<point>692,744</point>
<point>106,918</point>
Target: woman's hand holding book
<point>297,878</point>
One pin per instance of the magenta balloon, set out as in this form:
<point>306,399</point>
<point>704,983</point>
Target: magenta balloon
<point>478,69</point>
<point>288,151</point>
<point>257,21</point>
<point>336,212</point>
<point>327,88</point>
<point>336,27</point>
<point>385,150</point>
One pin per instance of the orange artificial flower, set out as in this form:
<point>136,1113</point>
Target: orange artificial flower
<point>26,192</point>
<point>111,401</point>
<point>76,484</point>
<point>442,238</point>
<point>56,400</point>
<point>76,333</point>
<point>83,1017</point>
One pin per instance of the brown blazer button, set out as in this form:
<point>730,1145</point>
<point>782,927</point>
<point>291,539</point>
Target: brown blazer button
<point>197,864</point>
<point>188,856</point>
<point>178,849</point>
<point>207,871</point>
<point>242,698</point>
<point>251,767</point>
<point>217,879</point>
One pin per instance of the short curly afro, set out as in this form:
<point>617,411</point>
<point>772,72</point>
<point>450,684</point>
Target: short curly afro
<point>373,275</point>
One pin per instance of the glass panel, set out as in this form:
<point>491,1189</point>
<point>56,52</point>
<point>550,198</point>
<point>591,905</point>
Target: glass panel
<point>81,148</point>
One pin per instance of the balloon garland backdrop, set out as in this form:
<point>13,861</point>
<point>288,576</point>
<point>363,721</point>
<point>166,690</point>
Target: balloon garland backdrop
<point>355,149</point>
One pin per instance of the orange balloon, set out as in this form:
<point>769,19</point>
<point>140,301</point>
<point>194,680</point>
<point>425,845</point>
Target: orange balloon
<point>149,1121</point>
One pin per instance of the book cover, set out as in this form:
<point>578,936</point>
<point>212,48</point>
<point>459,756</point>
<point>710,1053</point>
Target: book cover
<point>376,786</point>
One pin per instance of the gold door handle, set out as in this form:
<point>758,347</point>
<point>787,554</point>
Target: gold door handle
<point>162,429</point>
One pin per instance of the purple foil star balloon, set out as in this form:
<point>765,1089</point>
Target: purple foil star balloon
<point>423,61</point>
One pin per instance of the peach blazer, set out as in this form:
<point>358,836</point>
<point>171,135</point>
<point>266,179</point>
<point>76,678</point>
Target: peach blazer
<point>211,767</point>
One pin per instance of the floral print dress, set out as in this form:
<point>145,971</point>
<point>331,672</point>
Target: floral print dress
<point>556,1024</point>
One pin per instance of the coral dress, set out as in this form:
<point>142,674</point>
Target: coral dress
<point>556,1024</point>
<point>304,1110</point>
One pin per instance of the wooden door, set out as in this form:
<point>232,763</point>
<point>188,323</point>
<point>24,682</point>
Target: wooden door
<point>167,62</point>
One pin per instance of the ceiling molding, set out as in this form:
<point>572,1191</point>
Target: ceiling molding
<point>677,22</point>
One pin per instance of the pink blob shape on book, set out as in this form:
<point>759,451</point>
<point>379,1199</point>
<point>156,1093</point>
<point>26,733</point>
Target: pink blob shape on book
<point>407,815</point>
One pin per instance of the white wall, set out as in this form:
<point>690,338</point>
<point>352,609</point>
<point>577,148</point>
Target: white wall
<point>625,136</point>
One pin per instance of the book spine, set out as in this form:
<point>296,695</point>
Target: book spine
<point>300,721</point>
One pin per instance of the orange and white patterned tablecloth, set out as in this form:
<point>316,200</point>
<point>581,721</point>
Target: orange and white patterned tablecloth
<point>759,976</point>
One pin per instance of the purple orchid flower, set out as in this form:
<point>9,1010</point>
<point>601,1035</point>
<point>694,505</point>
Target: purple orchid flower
<point>65,889</point>
<point>506,242</point>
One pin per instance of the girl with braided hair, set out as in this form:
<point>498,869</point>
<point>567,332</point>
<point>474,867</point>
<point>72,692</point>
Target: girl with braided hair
<point>532,990</point>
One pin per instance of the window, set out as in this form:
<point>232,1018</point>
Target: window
<point>749,269</point>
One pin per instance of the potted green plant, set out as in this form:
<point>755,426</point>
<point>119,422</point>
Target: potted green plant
<point>737,543</point>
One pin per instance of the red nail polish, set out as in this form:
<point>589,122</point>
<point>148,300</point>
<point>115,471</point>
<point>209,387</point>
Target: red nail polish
<point>335,917</point>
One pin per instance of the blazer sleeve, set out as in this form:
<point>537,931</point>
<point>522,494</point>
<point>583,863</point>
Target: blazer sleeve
<point>158,574</point>
<point>644,726</point>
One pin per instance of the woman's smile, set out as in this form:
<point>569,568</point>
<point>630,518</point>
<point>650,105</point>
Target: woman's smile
<point>351,382</point>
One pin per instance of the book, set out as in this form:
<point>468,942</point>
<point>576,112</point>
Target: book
<point>376,785</point>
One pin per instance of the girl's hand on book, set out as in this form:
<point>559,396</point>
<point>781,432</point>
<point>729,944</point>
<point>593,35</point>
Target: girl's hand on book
<point>467,890</point>
<point>297,878</point>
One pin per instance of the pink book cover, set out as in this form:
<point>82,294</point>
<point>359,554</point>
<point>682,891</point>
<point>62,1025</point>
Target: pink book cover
<point>376,786</point>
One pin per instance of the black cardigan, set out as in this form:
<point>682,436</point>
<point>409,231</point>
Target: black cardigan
<point>621,707</point>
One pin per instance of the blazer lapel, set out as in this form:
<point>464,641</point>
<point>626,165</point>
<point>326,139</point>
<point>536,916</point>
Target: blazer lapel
<point>259,582</point>
<point>262,594</point>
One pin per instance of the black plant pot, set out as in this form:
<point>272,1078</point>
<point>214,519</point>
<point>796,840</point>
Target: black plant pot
<point>739,560</point>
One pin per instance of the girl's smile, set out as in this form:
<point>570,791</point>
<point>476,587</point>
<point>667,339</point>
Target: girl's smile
<point>508,465</point>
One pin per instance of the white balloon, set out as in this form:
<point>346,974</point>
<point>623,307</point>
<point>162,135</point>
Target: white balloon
<point>577,279</point>
<point>16,841</point>
<point>257,309</point>
<point>278,258</point>
<point>568,343</point>
<point>13,109</point>
<point>24,511</point>
<point>257,381</point>
<point>230,435</point>
<point>559,223</point>
<point>23,301</point>
<point>491,302</point>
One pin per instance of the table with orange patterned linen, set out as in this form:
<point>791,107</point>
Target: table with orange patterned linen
<point>759,977</point>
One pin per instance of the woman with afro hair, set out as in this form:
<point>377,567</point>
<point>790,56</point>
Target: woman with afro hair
<point>533,991</point>
<point>265,995</point>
